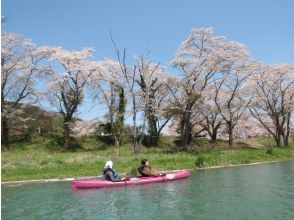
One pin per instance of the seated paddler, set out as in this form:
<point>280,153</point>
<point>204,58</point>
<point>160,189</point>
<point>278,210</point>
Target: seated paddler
<point>110,174</point>
<point>146,170</point>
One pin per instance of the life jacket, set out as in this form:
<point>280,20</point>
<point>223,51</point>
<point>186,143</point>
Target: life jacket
<point>114,174</point>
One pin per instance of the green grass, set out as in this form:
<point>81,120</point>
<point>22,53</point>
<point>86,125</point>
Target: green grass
<point>40,159</point>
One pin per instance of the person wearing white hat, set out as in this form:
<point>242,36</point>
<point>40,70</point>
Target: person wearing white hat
<point>109,173</point>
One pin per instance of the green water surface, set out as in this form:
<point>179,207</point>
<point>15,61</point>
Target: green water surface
<point>263,191</point>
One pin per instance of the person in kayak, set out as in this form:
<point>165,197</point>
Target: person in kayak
<point>145,169</point>
<point>109,173</point>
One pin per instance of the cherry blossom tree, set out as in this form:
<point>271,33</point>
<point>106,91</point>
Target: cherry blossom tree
<point>67,76</point>
<point>273,103</point>
<point>151,79</point>
<point>210,113</point>
<point>20,59</point>
<point>136,107</point>
<point>199,58</point>
<point>108,84</point>
<point>233,95</point>
<point>129,78</point>
<point>249,127</point>
<point>83,128</point>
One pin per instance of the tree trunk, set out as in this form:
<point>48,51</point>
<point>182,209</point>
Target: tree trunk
<point>4,124</point>
<point>214,130</point>
<point>278,137</point>
<point>152,130</point>
<point>5,133</point>
<point>66,133</point>
<point>136,147</point>
<point>285,140</point>
<point>152,122</point>
<point>214,135</point>
<point>186,131</point>
<point>118,126</point>
<point>286,136</point>
<point>231,138</point>
<point>279,131</point>
<point>116,141</point>
<point>137,144</point>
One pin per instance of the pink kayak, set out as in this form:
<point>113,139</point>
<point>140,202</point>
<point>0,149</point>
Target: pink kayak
<point>84,184</point>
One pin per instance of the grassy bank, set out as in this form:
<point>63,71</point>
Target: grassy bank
<point>35,160</point>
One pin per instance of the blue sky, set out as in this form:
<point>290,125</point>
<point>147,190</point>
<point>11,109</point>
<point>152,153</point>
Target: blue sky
<point>265,27</point>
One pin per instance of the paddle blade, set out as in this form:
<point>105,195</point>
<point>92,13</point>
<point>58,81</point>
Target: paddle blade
<point>134,180</point>
<point>170,176</point>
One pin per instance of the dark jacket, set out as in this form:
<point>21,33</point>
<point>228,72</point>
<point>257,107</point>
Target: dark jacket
<point>111,175</point>
<point>147,171</point>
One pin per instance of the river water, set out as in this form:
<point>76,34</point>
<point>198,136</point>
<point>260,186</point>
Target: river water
<point>264,191</point>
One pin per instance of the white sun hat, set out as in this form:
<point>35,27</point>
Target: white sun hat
<point>109,164</point>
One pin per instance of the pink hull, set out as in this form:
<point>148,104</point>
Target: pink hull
<point>84,184</point>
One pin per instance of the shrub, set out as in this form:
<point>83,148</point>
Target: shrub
<point>270,151</point>
<point>199,161</point>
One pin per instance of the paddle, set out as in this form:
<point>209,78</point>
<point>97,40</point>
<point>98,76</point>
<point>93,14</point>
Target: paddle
<point>134,179</point>
<point>170,176</point>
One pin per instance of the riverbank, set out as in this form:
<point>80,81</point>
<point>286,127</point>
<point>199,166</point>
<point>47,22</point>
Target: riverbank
<point>34,162</point>
<point>19,183</point>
